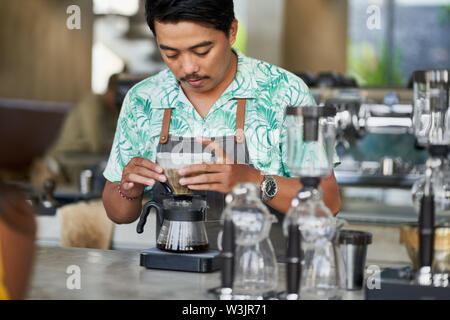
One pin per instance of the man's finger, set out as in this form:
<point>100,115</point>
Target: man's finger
<point>209,178</point>
<point>217,187</point>
<point>134,178</point>
<point>143,162</point>
<point>147,173</point>
<point>201,168</point>
<point>128,185</point>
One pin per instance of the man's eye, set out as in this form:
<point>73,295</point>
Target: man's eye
<point>172,56</point>
<point>203,53</point>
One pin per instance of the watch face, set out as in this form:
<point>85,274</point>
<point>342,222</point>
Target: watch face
<point>271,188</point>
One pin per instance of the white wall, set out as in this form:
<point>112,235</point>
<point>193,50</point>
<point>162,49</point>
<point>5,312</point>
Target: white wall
<point>264,20</point>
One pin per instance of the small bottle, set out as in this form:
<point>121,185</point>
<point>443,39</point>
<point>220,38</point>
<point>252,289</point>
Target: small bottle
<point>86,181</point>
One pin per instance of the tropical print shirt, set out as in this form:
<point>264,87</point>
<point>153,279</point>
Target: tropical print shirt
<point>267,88</point>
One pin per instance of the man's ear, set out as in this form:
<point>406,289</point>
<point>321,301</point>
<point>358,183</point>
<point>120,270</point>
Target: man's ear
<point>233,31</point>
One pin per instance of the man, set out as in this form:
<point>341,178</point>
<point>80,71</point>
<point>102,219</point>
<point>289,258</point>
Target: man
<point>207,87</point>
<point>87,130</point>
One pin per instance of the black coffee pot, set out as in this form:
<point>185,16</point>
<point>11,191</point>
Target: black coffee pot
<point>180,222</point>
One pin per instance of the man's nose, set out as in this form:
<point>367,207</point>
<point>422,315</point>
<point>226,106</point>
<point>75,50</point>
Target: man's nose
<point>190,65</point>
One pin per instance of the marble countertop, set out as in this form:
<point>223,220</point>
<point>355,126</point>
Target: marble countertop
<point>78,273</point>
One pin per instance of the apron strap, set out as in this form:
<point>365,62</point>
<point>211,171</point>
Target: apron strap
<point>164,137</point>
<point>240,121</point>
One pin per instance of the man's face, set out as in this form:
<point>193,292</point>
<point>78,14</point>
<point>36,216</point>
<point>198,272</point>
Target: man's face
<point>198,55</point>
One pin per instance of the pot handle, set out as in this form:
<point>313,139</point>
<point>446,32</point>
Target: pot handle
<point>167,187</point>
<point>145,212</point>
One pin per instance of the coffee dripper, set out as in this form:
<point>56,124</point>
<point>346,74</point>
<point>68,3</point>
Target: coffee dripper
<point>181,214</point>
<point>314,261</point>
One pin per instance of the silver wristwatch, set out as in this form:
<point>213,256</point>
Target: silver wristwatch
<point>269,188</point>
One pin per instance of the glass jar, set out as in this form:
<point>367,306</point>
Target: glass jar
<point>255,268</point>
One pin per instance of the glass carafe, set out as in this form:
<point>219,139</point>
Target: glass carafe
<point>180,223</point>
<point>323,270</point>
<point>255,264</point>
<point>183,227</point>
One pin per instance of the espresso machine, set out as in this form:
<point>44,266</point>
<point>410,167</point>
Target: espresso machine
<point>375,140</point>
<point>182,242</point>
<point>431,126</point>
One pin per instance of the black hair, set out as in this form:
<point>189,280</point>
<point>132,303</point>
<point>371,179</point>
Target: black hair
<point>217,13</point>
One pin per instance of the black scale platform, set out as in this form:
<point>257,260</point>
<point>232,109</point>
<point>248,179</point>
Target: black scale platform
<point>204,262</point>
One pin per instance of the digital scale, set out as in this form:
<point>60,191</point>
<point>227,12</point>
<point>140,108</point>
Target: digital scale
<point>204,262</point>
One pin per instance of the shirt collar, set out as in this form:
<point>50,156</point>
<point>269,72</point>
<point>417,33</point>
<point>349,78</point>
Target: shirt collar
<point>244,86</point>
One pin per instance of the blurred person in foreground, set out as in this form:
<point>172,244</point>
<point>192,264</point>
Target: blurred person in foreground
<point>17,243</point>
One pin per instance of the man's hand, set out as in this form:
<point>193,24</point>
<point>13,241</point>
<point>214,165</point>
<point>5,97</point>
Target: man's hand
<point>138,174</point>
<point>221,176</point>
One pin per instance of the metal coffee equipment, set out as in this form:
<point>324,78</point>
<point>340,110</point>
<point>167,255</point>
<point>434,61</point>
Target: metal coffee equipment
<point>375,140</point>
<point>353,245</point>
<point>313,259</point>
<point>431,126</point>
<point>430,194</point>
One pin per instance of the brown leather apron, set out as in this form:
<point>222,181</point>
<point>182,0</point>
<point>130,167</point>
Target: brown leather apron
<point>235,147</point>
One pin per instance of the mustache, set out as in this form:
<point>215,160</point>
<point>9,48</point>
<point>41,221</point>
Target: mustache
<point>193,77</point>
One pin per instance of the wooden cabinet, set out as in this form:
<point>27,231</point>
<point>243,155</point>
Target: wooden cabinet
<point>40,58</point>
<point>315,35</point>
